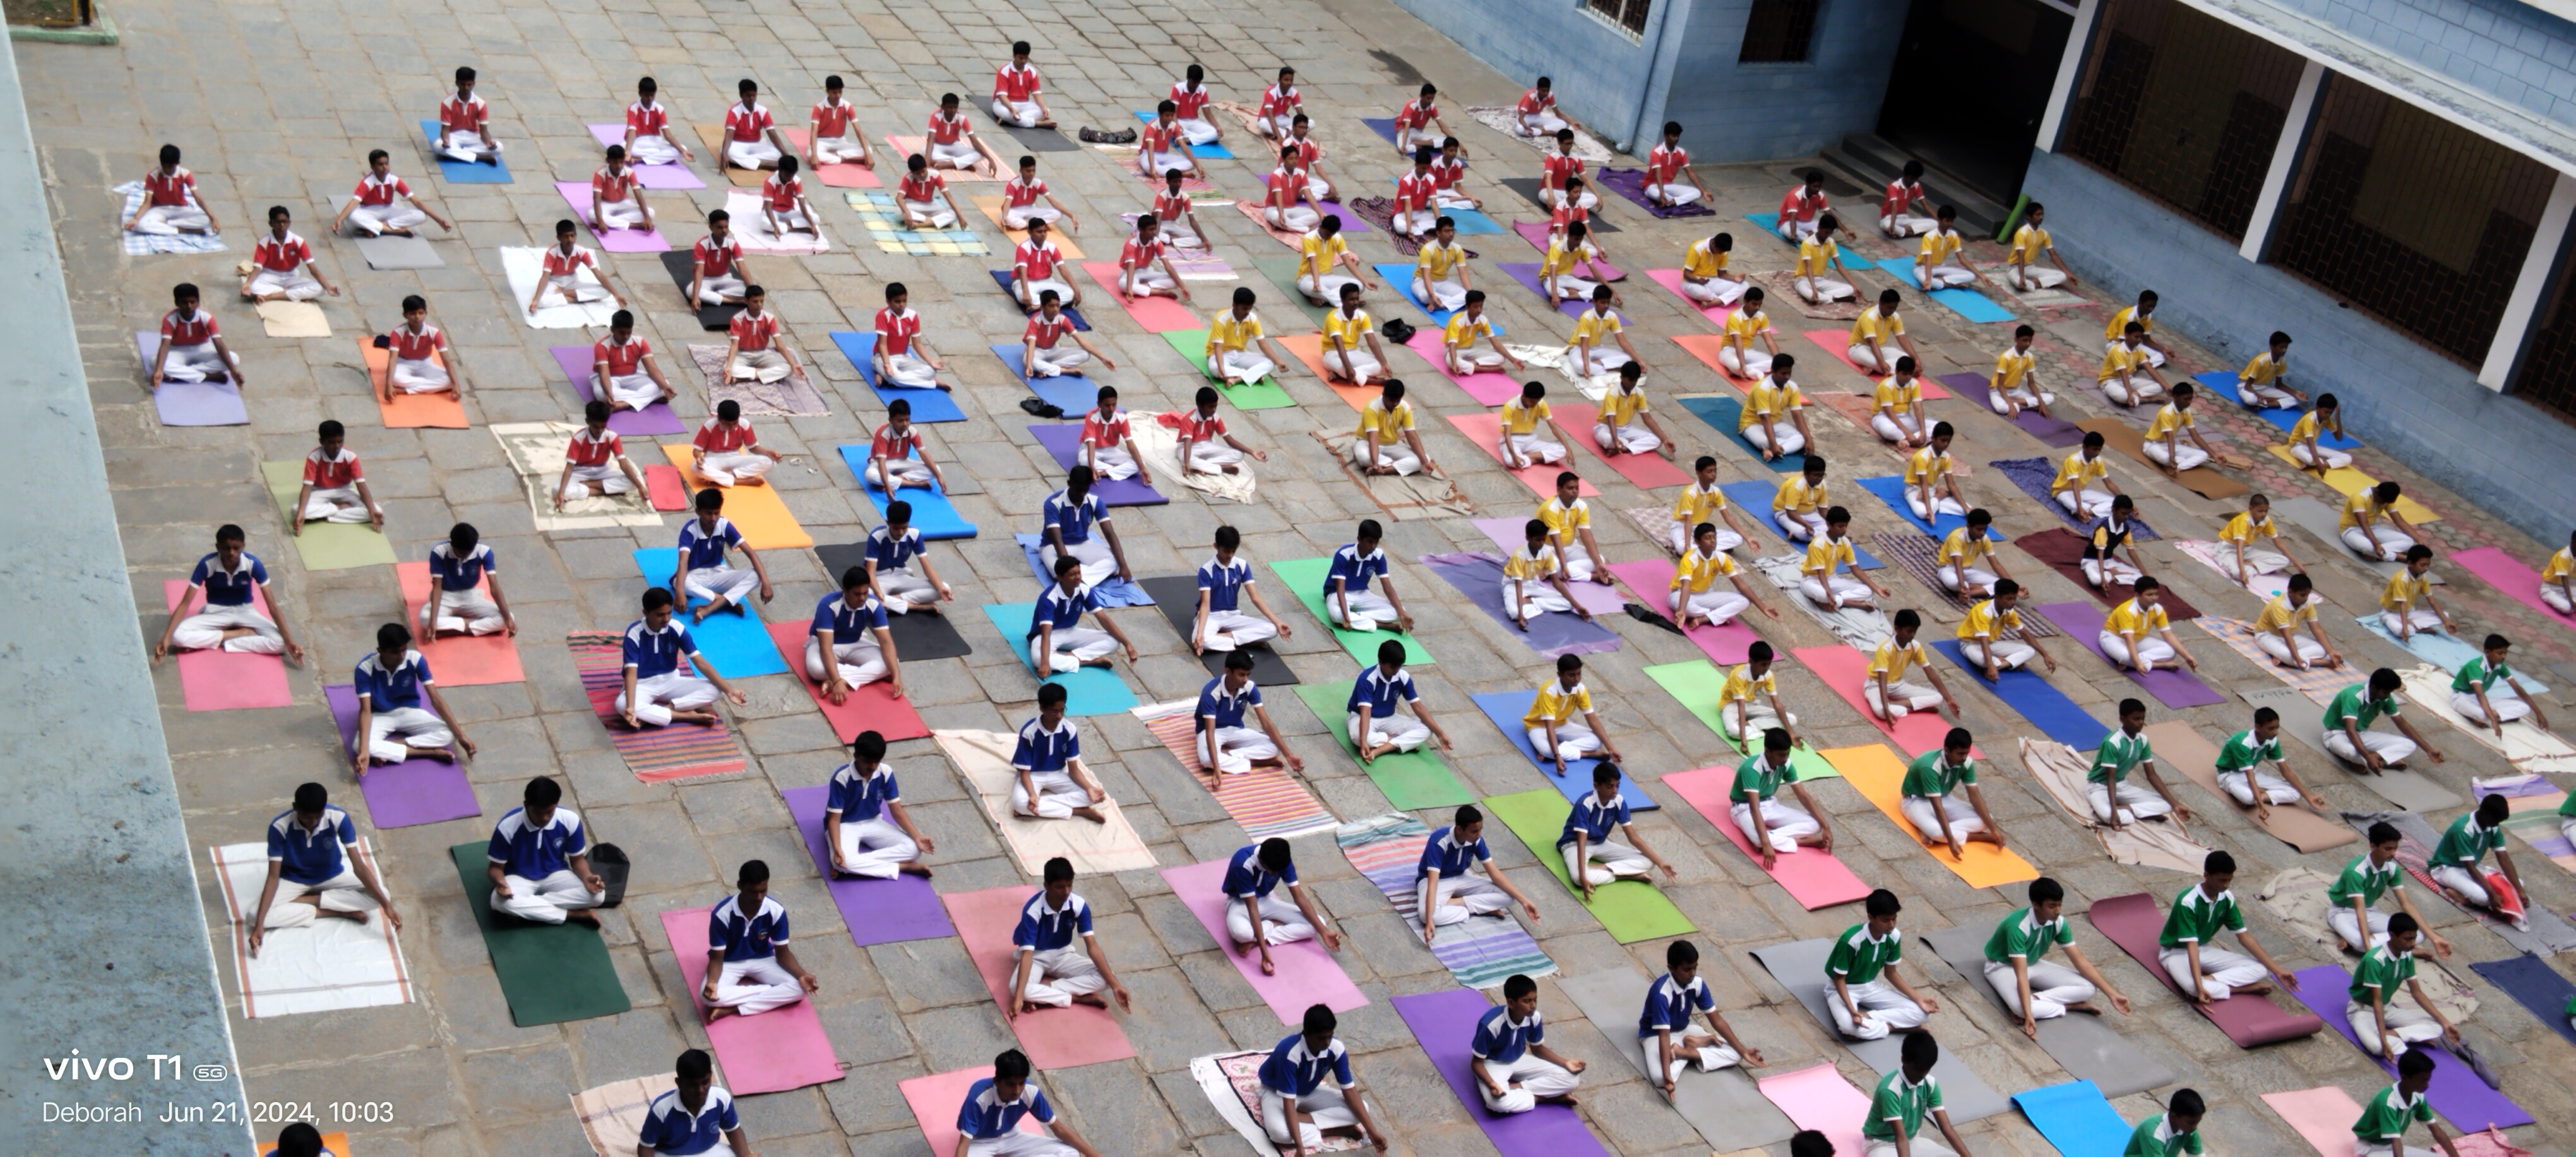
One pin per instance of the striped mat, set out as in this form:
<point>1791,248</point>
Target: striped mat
<point>1266,801</point>
<point>652,753</point>
<point>1916,553</point>
<point>2535,816</point>
<point>2320,683</point>
<point>1481,953</point>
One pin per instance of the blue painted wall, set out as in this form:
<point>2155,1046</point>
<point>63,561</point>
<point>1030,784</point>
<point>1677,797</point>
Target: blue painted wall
<point>2512,51</point>
<point>2421,408</point>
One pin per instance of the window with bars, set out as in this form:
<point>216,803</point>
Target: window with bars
<point>2183,108</point>
<point>1777,32</point>
<point>2548,375</point>
<point>2418,221</point>
<point>1628,14</point>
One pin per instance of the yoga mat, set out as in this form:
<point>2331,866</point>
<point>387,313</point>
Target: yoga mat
<point>1721,412</point>
<point>778,1050</point>
<point>2322,1117</point>
<point>1507,708</point>
<point>928,405</point>
<point>1505,534</point>
<point>2053,431</point>
<point>1053,1038</point>
<point>2439,648</point>
<point>791,396</point>
<point>392,251</point>
<point>1156,313</point>
<point>1002,277</point>
<point>1089,691</point>
<point>674,175</point>
<point>1411,780</point>
<point>1308,349</point>
<point>524,267</point>
<point>992,209</point>
<point>1071,393</point>
<point>1264,801</point>
<point>550,973</point>
<point>1724,1106</point>
<point>917,634</point>
<point>1211,151</point>
<point>1479,576</point>
<point>321,967</point>
<point>2089,1048</point>
<point>408,411</point>
<point>1799,966</point>
<point>2127,439</point>
<point>611,1115</point>
<point>1651,579</point>
<point>1649,471</point>
<point>2073,1116</point>
<point>2535,986</point>
<point>1177,596</point>
<point>1526,272</point>
<point>2062,551</point>
<point>2283,418</point>
<point>1064,442</point>
<point>838,174</point>
<point>2303,717</point>
<point>1038,141</point>
<point>1879,776</point>
<point>1811,876</point>
<point>932,514</point>
<point>713,137</point>
<point>1445,1024</point>
<point>1479,953</point>
<point>1967,303</point>
<point>1631,183</point>
<point>1398,276</point>
<point>756,511</point>
<point>1109,593</point>
<point>681,264</point>
<point>1490,388</point>
<point>455,172</point>
<point>1281,272</point>
<point>2456,1092</point>
<point>875,911</point>
<point>1265,394</point>
<point>1819,1098</point>
<point>576,195</point>
<point>2082,622</point>
<point>1891,489</point>
<point>871,706</point>
<point>1304,578</point>
<point>2180,747</point>
<point>1846,670</point>
<point>2348,481</point>
<point>226,680</point>
<point>324,545</point>
<point>1630,910</point>
<point>1752,497</point>
<point>652,753</point>
<point>2039,702</point>
<point>934,1101</point>
<point>2506,574</point>
<point>2134,921</point>
<point>2548,934</point>
<point>1527,187</point>
<point>1382,126</point>
<point>983,759</point>
<point>405,794</point>
<point>199,404</point>
<point>457,660</point>
<point>577,361</point>
<point>1695,686</point>
<point>733,640</point>
<point>1485,431</point>
<point>1706,347</point>
<point>666,488</point>
<point>1536,233</point>
<point>2031,476</point>
<point>1306,974</point>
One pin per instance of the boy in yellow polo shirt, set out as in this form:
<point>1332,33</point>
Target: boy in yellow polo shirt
<point>1967,563</point>
<point>1440,267</point>
<point>2126,376</point>
<point>1694,598</point>
<point>1565,255</point>
<point>1770,401</point>
<point>1458,339</point>
<point>2276,629</point>
<point>2028,243</point>
<point>1236,343</point>
<point>1991,636</point>
<point>1569,530</point>
<point>1828,556</point>
<point>2326,418</point>
<point>1889,696</point>
<point>2165,435</point>
<point>2264,383</point>
<point>1386,441</point>
<point>1583,355</point>
<point>1317,253</point>
<point>1897,414</point>
<point>1521,444</point>
<point>1624,424</point>
<point>2373,528</point>
<point>1874,329</point>
<point>2236,553</point>
<point>1553,733</point>
<point>1817,253</point>
<point>1347,329</point>
<point>1534,580</point>
<point>1745,326</point>
<point>1705,279</point>
<point>2406,604</point>
<point>2143,313</point>
<point>1941,262</point>
<point>2558,576</point>
<point>2126,632</point>
<point>1738,714</point>
<point>1928,475</point>
<point>2014,386</point>
<point>1699,502</point>
<point>1798,506</point>
<point>2083,484</point>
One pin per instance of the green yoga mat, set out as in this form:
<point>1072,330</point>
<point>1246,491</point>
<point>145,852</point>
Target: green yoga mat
<point>550,973</point>
<point>1631,910</point>
<point>325,545</point>
<point>1282,273</point>
<point>1304,577</point>
<point>1696,684</point>
<point>1411,780</point>
<point>1265,394</point>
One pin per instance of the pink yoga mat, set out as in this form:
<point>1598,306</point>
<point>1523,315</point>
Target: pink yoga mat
<point>1820,1098</point>
<point>1648,471</point>
<point>1652,581</point>
<point>1593,597</point>
<point>457,660</point>
<point>1535,232</point>
<point>1307,974</point>
<point>577,195</point>
<point>226,680</point>
<point>1054,1038</point>
<point>871,706</point>
<point>401,795</point>
<point>1838,343</point>
<point>1815,879</point>
<point>2518,582</point>
<point>935,1099</point>
<point>675,175</point>
<point>2321,1116</point>
<point>1486,431</point>
<point>1672,279</point>
<point>775,1051</point>
<point>1489,389</point>
<point>1156,314</point>
<point>839,174</point>
<point>1846,670</point>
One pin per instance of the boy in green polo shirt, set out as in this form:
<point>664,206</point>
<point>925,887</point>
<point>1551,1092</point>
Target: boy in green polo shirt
<point>2567,817</point>
<point>2033,988</point>
<point>2382,1026</point>
<point>2381,1131</point>
<point>2240,769</point>
<point>1870,999</point>
<point>2125,750</point>
<point>1931,797</point>
<point>2465,844</point>
<point>1904,1098</point>
<point>1774,828</point>
<point>2353,897</point>
<point>2486,691</point>
<point>2199,914</point>
<point>2171,1133</point>
<point>2349,716</point>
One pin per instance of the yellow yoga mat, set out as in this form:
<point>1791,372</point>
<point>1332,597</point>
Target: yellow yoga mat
<point>2349,482</point>
<point>992,207</point>
<point>756,511</point>
<point>1880,775</point>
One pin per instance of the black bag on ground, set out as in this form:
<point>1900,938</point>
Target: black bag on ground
<point>610,862</point>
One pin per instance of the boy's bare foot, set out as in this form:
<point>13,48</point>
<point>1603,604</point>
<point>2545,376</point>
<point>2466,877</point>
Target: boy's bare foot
<point>915,869</point>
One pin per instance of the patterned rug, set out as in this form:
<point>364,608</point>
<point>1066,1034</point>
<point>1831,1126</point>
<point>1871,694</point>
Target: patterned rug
<point>1481,952</point>
<point>653,753</point>
<point>1266,801</point>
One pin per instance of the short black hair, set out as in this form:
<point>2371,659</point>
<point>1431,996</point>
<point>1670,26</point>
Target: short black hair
<point>542,791</point>
<point>1882,903</point>
<point>298,1140</point>
<point>1518,986</point>
<point>752,872</point>
<point>2217,862</point>
<point>1011,1065</point>
<point>1679,953</point>
<point>694,1065</point>
<point>1058,867</point>
<point>2186,1102</point>
<point>2045,890</point>
<point>1319,1020</point>
<point>1919,1049</point>
<point>392,636</point>
<point>311,797</point>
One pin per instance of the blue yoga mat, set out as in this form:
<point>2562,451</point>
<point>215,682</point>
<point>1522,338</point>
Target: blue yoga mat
<point>1723,412</point>
<point>1209,152</point>
<point>1770,223</point>
<point>1890,489</point>
<point>1115,592</point>
<point>931,513</point>
<point>1382,126</point>
<point>1399,277</point>
<point>2535,986</point>
<point>738,645</point>
<point>2043,705</point>
<point>1752,499</point>
<point>1967,303</point>
<point>1472,222</point>
<point>2448,652</point>
<point>1089,691</point>
<point>457,172</point>
<point>927,405</point>
<point>1506,708</point>
<point>1071,393</point>
<point>1002,277</point>
<point>2288,418</point>
<point>2075,1118</point>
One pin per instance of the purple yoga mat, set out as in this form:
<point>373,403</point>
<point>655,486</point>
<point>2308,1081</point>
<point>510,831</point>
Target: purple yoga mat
<point>653,419</point>
<point>1593,597</point>
<point>671,176</point>
<point>2456,1092</point>
<point>2083,623</point>
<point>191,403</point>
<point>1479,576</point>
<point>1445,1023</point>
<point>1064,441</point>
<point>876,911</point>
<point>577,195</point>
<point>2054,431</point>
<point>1526,272</point>
<point>1631,183</point>
<point>401,795</point>
<point>1352,223</point>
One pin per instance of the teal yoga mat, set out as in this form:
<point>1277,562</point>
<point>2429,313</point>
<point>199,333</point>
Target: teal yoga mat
<point>1967,303</point>
<point>1089,691</point>
<point>1722,412</point>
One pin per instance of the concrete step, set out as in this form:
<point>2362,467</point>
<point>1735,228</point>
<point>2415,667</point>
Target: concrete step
<point>1874,162</point>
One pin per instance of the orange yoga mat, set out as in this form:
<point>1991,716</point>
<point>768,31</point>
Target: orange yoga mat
<point>1879,775</point>
<point>457,660</point>
<point>442,410</point>
<point>757,511</point>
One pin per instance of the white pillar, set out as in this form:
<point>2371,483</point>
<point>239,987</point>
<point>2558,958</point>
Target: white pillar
<point>2515,327</point>
<point>2069,64</point>
<point>2285,162</point>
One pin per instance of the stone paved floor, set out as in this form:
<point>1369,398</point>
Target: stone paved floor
<point>276,103</point>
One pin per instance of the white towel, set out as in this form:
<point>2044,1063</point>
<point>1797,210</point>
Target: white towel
<point>984,759</point>
<point>536,451</point>
<point>525,266</point>
<point>1161,446</point>
<point>751,227</point>
<point>2527,747</point>
<point>328,964</point>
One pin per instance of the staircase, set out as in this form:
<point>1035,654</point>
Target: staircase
<point>1873,163</point>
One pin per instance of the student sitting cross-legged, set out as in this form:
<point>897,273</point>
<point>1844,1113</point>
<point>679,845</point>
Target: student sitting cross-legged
<point>230,620</point>
<point>1050,780</point>
<point>1508,1056</point>
<point>539,860</point>
<point>1867,995</point>
<point>988,1122</point>
<point>313,865</point>
<point>869,831</point>
<point>1251,877</point>
<point>750,968</point>
<point>1052,972</point>
<point>2187,945</point>
<point>2033,988</point>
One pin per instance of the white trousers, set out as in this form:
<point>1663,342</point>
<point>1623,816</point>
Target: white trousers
<point>757,154</point>
<point>1058,795</point>
<point>2390,545</point>
<point>470,147</point>
<point>876,847</point>
<point>296,284</point>
<point>2406,1027</point>
<point>1353,365</point>
<point>1017,1144</point>
<point>2181,457</point>
<point>1849,592</point>
<point>204,631</point>
<point>420,376</point>
<point>2556,597</point>
<point>1714,604</point>
<point>1396,455</point>
<point>1525,1079</point>
<point>1882,1010</point>
<point>1019,216</point>
<point>2131,390</point>
<point>721,584</point>
<point>1573,741</point>
<point>1532,598</point>
<point>897,473</point>
<point>2340,918</point>
<point>2392,750</point>
<point>741,466</point>
<point>1899,699</point>
<point>1634,438</point>
<point>2508,706</point>
<point>1707,1058</point>
<point>1790,438</point>
<point>172,220</point>
<point>1227,630</point>
<point>758,365</point>
<point>1161,163</point>
<point>752,987</point>
<point>1745,363</point>
<point>2470,885</point>
<point>1243,365</point>
<point>633,391</point>
<point>908,370</point>
<point>2136,802</point>
<point>2418,620</point>
<point>2119,572</point>
<point>1281,922</point>
<point>1057,975</point>
<point>660,695</point>
<point>1880,361</point>
<point>1145,281</point>
<point>1568,287</point>
<point>1024,113</point>
<point>1605,861</point>
<point>2150,650</point>
<point>2024,396</point>
<point>652,149</point>
<point>2265,397</point>
<point>1671,192</point>
<point>611,480</point>
<point>573,288</point>
<point>1414,222</point>
<point>1295,218</point>
<point>2053,986</point>
<point>1714,291</point>
<point>936,214</point>
<point>1445,293</point>
<point>2334,459</point>
<point>1532,448</point>
<point>545,901</point>
<point>1094,555</point>
<point>335,504</point>
<point>196,363</point>
<point>1403,731</point>
<point>374,221</point>
<point>340,893</point>
<point>1780,823</point>
<point>2038,277</point>
<point>1056,362</point>
<point>1942,276</point>
<point>466,612</point>
<point>1758,720</point>
<point>1461,897</point>
<point>2241,786</point>
<point>1899,428</point>
<point>2086,503</point>
<point>1677,537</point>
<point>1325,1108</point>
<point>1327,289</point>
<point>2222,972</point>
<point>1208,456</point>
<point>2257,561</point>
<point>1918,810</point>
<point>1236,749</point>
<point>620,214</point>
<point>861,661</point>
<point>1073,647</point>
<point>957,154</point>
<point>1977,577</point>
<point>1902,224</point>
<point>1358,610</point>
<point>1110,463</point>
<point>718,288</point>
<point>1927,511</point>
<point>1823,289</point>
<point>1542,124</point>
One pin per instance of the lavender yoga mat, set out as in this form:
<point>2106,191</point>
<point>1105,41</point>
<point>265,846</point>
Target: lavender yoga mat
<point>191,403</point>
<point>577,195</point>
<point>876,911</point>
<point>2032,475</point>
<point>2054,431</point>
<point>1631,183</point>
<point>1591,596</point>
<point>1479,576</point>
<point>2083,623</point>
<point>1064,440</point>
<point>1445,1024</point>
<point>406,794</point>
<point>2456,1092</point>
<point>1526,272</point>
<point>675,175</point>
<point>653,419</point>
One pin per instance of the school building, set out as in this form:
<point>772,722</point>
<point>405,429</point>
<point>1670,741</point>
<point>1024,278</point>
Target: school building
<point>2388,180</point>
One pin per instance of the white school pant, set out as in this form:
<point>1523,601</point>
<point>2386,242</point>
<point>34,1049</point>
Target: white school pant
<point>1573,741</point>
<point>1111,463</point>
<point>2392,750</point>
<point>1781,824</point>
<point>1524,1079</point>
<point>875,847</point>
<point>1824,289</point>
<point>936,213</point>
<point>654,149</point>
<point>908,370</point>
<point>2346,925</point>
<point>657,697</point>
<point>1920,811</point>
<point>729,469</point>
<point>1540,124</point>
<point>1599,361</point>
<point>1672,192</point>
<point>1276,127</point>
<point>1295,218</point>
<point>2406,1027</point>
<point>721,584</point>
<point>2129,390</point>
<point>1714,291</point>
<point>1227,630</point>
<point>785,221</point>
<point>1881,361</point>
<point>1903,224</point>
<point>1678,537</point>
<point>545,901</point>
<point>419,376</point>
<point>2010,654</point>
<point>2470,885</point>
<point>2023,395</point>
<point>1536,598</point>
<point>1019,216</point>
<point>464,145</point>
<point>1943,276</point>
<point>2556,597</point>
<point>1023,113</point>
<point>1403,732</point>
<point>715,289</point>
<point>1897,427</point>
<point>1707,1058</point>
<point>2421,621</point>
<point>896,473</point>
<point>1568,287</point>
<point>1977,576</point>
<point>860,662</point>
<point>1799,527</point>
<point>1919,1146</point>
<point>2119,572</point>
<point>1461,897</point>
<point>335,504</point>
<point>1414,222</point>
<point>903,590</point>
<point>626,213</point>
<point>1883,1010</point>
<point>1848,592</point>
<point>1352,364</point>
<point>1073,647</point>
<point>1715,604</point>
<point>2391,544</point>
<point>2136,802</point>
<point>2222,971</point>
<point>1556,197</point>
<point>2038,277</point>
<point>1199,130</point>
<point>1146,280</point>
<point>1243,365</point>
<point>1396,455</point>
<point>2334,459</point>
<point>2257,560</point>
<point>611,480</point>
<point>2150,650</point>
<point>1531,448</point>
<point>1281,922</point>
<point>1017,1144</point>
<point>1745,363</point>
<point>1236,750</point>
<point>1604,862</point>
<point>1579,563</point>
<point>2053,986</point>
<point>2240,786</point>
<point>2262,397</point>
<point>296,284</point>
<point>1468,359</point>
<point>2085,503</point>
<point>372,221</point>
<point>1900,699</point>
<point>1032,293</point>
<point>1209,456</point>
<point>2508,706</point>
<point>204,631</point>
<point>1790,439</point>
<point>752,987</point>
<point>761,365</point>
<point>2180,457</point>
<point>757,154</point>
<point>1094,555</point>
<point>172,220</point>
<point>1445,293</point>
<point>1057,975</point>
<point>573,288</point>
<point>1057,796</point>
<point>1161,163</point>
<point>1758,720</point>
<point>1940,505</point>
<point>1325,1108</point>
<point>340,893</point>
<point>1358,610</point>
<point>468,611</point>
<point>196,363</point>
<point>1327,289</point>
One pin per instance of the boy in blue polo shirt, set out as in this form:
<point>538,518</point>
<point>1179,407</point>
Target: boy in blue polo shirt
<point>307,854</point>
<point>1514,1069</point>
<point>851,643</point>
<point>1348,602</point>
<point>230,621</point>
<point>540,860</point>
<point>1592,858</point>
<point>892,551</point>
<point>1050,781</point>
<point>657,692</point>
<point>392,725</point>
<point>695,1119</point>
<point>1051,971</point>
<point>1296,1108</point>
<point>1371,717</point>
<point>1446,885</point>
<point>988,1122</point>
<point>856,812</point>
<point>704,570</point>
<point>1225,744</point>
<point>1065,525</point>
<point>1057,640</point>
<point>1224,581</point>
<point>750,968</point>
<point>1663,1030</point>
<point>1255,871</point>
<point>454,606</point>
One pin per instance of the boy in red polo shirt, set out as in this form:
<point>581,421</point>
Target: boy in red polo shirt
<point>383,203</point>
<point>783,203</point>
<point>1017,99</point>
<point>902,357</point>
<point>623,370</point>
<point>1180,218</point>
<point>648,129</point>
<point>726,452</point>
<point>832,133</point>
<point>335,485</point>
<point>465,125</point>
<point>282,267</point>
<point>1206,445</point>
<point>1166,145</point>
<point>1144,268</point>
<point>950,142</point>
<point>914,197</point>
<point>1037,269</point>
<point>1285,187</point>
<point>1557,168</point>
<point>1800,206</point>
<point>595,463</point>
<point>1414,193</point>
<point>752,348</point>
<point>170,205</point>
<point>1536,115</point>
<point>1280,104</point>
<point>423,363</point>
<point>751,137</point>
<point>1041,348</point>
<point>571,272</point>
<point>1020,197</point>
<point>1666,165</point>
<point>1107,445</point>
<point>192,345</point>
<point>617,196</point>
<point>717,275</point>
<point>1190,98</point>
<point>1413,122</point>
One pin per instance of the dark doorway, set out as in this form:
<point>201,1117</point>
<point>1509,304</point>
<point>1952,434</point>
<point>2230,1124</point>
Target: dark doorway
<point>1970,84</point>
